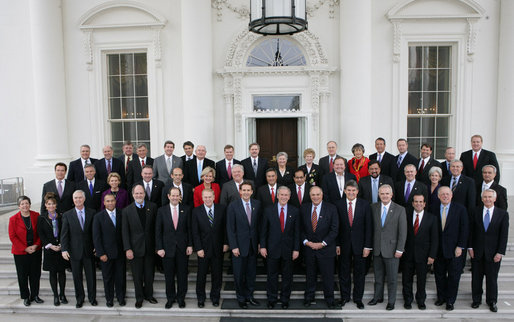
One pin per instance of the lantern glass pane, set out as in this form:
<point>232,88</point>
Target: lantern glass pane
<point>255,9</point>
<point>278,8</point>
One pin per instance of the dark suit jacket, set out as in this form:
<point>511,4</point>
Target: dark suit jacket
<point>64,203</point>
<point>239,233</point>
<point>324,164</point>
<point>354,239</point>
<point>455,231</point>
<point>287,179</point>
<point>293,201</point>
<point>386,163</point>
<point>76,170</point>
<point>445,166</point>
<point>501,196</point>
<point>485,158</point>
<point>184,159</point>
<point>207,238</point>
<point>425,243</point>
<point>116,166</point>
<point>277,243</point>
<point>107,238</point>
<point>366,190</point>
<point>313,177</point>
<point>169,239</point>
<point>260,178</point>
<point>93,201</point>
<point>221,171</point>
<point>331,188</point>
<point>187,196</point>
<point>134,172</point>
<point>326,229</point>
<point>78,242</point>
<point>417,188</point>
<point>156,194</point>
<point>486,244</point>
<point>141,242</point>
<point>464,193</point>
<point>397,173</point>
<point>264,196</point>
<point>191,170</point>
<point>423,175</point>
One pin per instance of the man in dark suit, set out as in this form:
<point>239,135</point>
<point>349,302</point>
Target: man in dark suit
<point>389,236</point>
<point>224,167</point>
<point>194,167</point>
<point>127,156</point>
<point>463,187</point>
<point>153,187</point>
<point>452,222</point>
<point>401,160</point>
<point>333,183</point>
<point>405,190</point>
<point>243,218</point>
<point>230,190</point>
<point>384,158</point>
<point>473,160</point>
<point>108,242</point>
<point>326,163</point>
<point>255,167</point>
<point>489,232</point>
<point>267,194</point>
<point>209,226</point>
<point>93,188</point>
<point>77,247</point>
<point>425,163</point>
<point>76,168</point>
<point>136,165</point>
<point>488,174</point>
<point>355,241</point>
<point>165,163</point>
<point>174,244</point>
<point>138,227</point>
<point>280,245</point>
<point>108,164</point>
<point>186,190</point>
<point>420,251</point>
<point>368,186</point>
<point>62,188</point>
<point>188,148</point>
<point>449,156</point>
<point>319,228</point>
<point>300,188</point>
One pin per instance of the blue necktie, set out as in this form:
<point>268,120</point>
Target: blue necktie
<point>487,220</point>
<point>374,190</point>
<point>200,171</point>
<point>407,192</point>
<point>384,215</point>
<point>399,161</point>
<point>91,187</point>
<point>113,218</point>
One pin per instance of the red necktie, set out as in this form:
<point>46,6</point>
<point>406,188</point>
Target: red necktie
<point>229,170</point>
<point>331,165</point>
<point>282,219</point>
<point>350,214</point>
<point>300,194</point>
<point>126,166</point>
<point>314,219</point>
<point>416,225</point>
<point>109,169</point>
<point>142,163</point>
<point>475,160</point>
<point>421,166</point>
<point>272,195</point>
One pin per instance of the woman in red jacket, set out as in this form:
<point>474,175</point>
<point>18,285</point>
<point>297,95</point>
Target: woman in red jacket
<point>208,176</point>
<point>358,165</point>
<point>26,248</point>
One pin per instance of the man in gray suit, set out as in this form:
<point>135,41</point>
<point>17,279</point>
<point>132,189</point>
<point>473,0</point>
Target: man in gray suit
<point>389,236</point>
<point>164,164</point>
<point>230,189</point>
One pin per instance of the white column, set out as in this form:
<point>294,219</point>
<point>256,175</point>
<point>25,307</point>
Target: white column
<point>49,82</point>
<point>197,73</point>
<point>355,51</point>
<point>505,110</point>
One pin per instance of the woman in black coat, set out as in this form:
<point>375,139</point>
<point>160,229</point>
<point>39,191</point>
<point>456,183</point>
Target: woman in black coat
<point>49,230</point>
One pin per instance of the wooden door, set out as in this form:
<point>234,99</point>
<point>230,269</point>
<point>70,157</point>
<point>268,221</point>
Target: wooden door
<point>276,135</point>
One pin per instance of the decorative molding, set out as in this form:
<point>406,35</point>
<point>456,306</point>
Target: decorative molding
<point>88,48</point>
<point>395,12</point>
<point>397,40</point>
<point>471,39</point>
<point>157,46</point>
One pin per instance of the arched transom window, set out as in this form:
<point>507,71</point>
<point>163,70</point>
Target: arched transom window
<point>276,52</point>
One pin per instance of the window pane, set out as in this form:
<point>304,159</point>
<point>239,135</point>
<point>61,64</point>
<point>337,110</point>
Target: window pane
<point>440,147</point>
<point>142,108</point>
<point>129,131</point>
<point>140,63</point>
<point>415,80</point>
<point>443,80</point>
<point>430,141</point>
<point>114,86</point>
<point>432,57</point>
<point>444,56</point>
<point>429,103</point>
<point>414,146</point>
<point>427,126</point>
<point>127,108</point>
<point>143,130</point>
<point>429,79</point>
<point>141,86</point>
<point>127,85</point>
<point>442,126</point>
<point>415,56</point>
<point>413,126</point>
<point>443,103</point>
<point>117,131</point>
<point>276,102</point>
<point>415,103</point>
<point>117,148</point>
<point>115,108</point>
<point>114,64</point>
<point>127,64</point>
<point>276,52</point>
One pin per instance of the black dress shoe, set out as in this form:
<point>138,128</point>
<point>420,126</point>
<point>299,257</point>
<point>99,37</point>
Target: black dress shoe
<point>307,303</point>
<point>270,305</point>
<point>201,304</point>
<point>215,303</point>
<point>344,301</point>
<point>375,301</point>
<point>152,300</point>
<point>79,304</point>
<point>56,301</point>
<point>94,303</point>
<point>449,307</point>
<point>285,305</point>
<point>243,305</point>
<point>390,307</point>
<point>253,302</point>
<point>475,305</point>
<point>122,303</point>
<point>407,306</point>
<point>181,304</point>
<point>168,305</point>
<point>422,306</point>
<point>439,302</point>
<point>38,300</point>
<point>26,302</point>
<point>139,304</point>
<point>493,307</point>
<point>63,299</point>
<point>331,305</point>
<point>359,304</point>
<point>109,304</point>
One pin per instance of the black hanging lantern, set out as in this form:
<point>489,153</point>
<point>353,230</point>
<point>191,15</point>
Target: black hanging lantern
<point>277,17</point>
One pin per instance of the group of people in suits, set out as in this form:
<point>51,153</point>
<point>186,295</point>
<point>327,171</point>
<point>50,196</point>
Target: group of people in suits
<point>404,213</point>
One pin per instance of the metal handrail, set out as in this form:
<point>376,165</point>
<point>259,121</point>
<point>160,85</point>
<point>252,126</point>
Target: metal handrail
<point>10,190</point>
